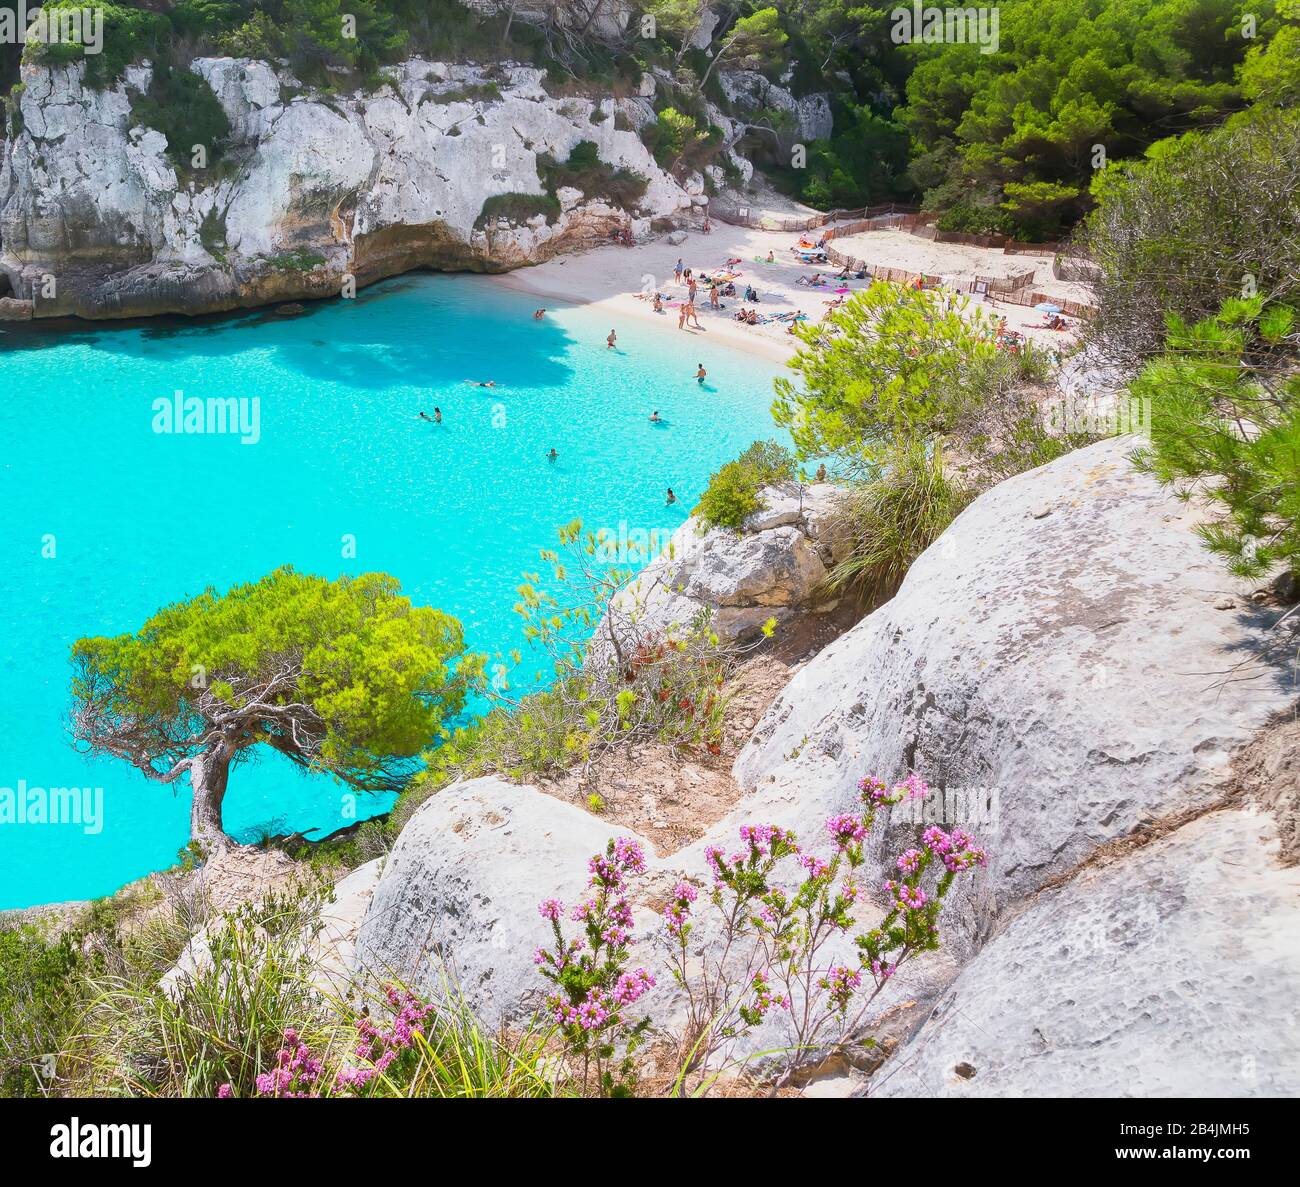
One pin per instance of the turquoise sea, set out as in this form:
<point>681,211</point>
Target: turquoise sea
<point>105,519</point>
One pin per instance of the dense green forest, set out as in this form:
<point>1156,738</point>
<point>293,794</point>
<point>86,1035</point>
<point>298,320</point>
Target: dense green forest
<point>1004,141</point>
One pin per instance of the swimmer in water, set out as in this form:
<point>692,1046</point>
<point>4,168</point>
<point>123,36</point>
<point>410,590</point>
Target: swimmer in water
<point>422,415</point>
<point>481,382</point>
<point>671,499</point>
<point>655,417</point>
<point>700,374</point>
<point>437,416</point>
<point>538,314</point>
<point>550,457</point>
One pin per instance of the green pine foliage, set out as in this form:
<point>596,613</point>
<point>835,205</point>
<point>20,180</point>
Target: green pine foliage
<point>1225,425</point>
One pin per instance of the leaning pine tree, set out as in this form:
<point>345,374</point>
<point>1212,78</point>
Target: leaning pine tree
<point>344,677</point>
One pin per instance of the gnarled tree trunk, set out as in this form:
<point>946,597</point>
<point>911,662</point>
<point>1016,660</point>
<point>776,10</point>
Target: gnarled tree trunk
<point>209,773</point>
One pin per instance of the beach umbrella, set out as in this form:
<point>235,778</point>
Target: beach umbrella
<point>1048,307</point>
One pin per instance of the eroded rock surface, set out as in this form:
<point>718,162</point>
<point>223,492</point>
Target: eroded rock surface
<point>1172,972</point>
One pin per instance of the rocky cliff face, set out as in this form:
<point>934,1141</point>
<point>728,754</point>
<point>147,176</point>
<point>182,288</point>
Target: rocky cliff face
<point>96,221</point>
<point>1076,671</point>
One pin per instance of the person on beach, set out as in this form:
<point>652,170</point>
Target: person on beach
<point>671,499</point>
<point>677,271</point>
<point>550,457</point>
<point>692,288</point>
<point>681,316</point>
<point>658,305</point>
<point>700,374</point>
<point>611,340</point>
<point>771,259</point>
<point>714,303</point>
<point>691,316</point>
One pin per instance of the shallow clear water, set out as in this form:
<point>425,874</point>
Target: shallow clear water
<point>137,519</point>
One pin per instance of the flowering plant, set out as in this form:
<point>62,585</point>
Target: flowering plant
<point>771,953</point>
<point>594,988</point>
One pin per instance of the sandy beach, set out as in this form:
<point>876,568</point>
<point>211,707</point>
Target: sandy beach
<point>612,278</point>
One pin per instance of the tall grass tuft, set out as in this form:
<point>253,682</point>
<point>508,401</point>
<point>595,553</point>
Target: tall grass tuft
<point>893,518</point>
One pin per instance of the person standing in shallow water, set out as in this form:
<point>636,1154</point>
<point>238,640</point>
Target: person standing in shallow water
<point>550,457</point>
<point>671,499</point>
<point>611,340</point>
<point>700,375</point>
<point>437,415</point>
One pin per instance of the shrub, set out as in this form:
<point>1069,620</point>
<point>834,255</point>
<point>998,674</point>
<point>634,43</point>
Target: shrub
<point>627,682</point>
<point>779,909</point>
<point>1224,402</point>
<point>130,34</point>
<point>584,170</point>
<point>1207,217</point>
<point>257,37</point>
<point>183,107</point>
<point>298,260</point>
<point>732,494</point>
<point>889,521</point>
<point>222,1024</point>
<point>37,1005</point>
<point>518,208</point>
<point>678,140</point>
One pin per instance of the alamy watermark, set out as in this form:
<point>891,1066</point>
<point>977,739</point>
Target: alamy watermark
<point>24,24</point>
<point>626,545</point>
<point>237,416</point>
<point>1115,417</point>
<point>81,807</point>
<point>131,1142</point>
<point>948,26</point>
<point>967,807</point>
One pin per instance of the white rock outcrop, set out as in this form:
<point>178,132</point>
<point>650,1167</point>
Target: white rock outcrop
<point>1059,649</point>
<point>311,189</point>
<point>773,567</point>
<point>750,92</point>
<point>1055,661</point>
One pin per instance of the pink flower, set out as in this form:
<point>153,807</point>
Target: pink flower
<point>909,861</point>
<point>629,855</point>
<point>631,986</point>
<point>840,983</point>
<point>912,788</point>
<point>550,908</point>
<point>845,830</point>
<point>911,898</point>
<point>814,865</point>
<point>225,1092</point>
<point>872,789</point>
<point>936,840</point>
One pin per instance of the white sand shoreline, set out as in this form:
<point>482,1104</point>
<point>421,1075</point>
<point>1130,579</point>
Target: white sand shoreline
<point>609,279</point>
